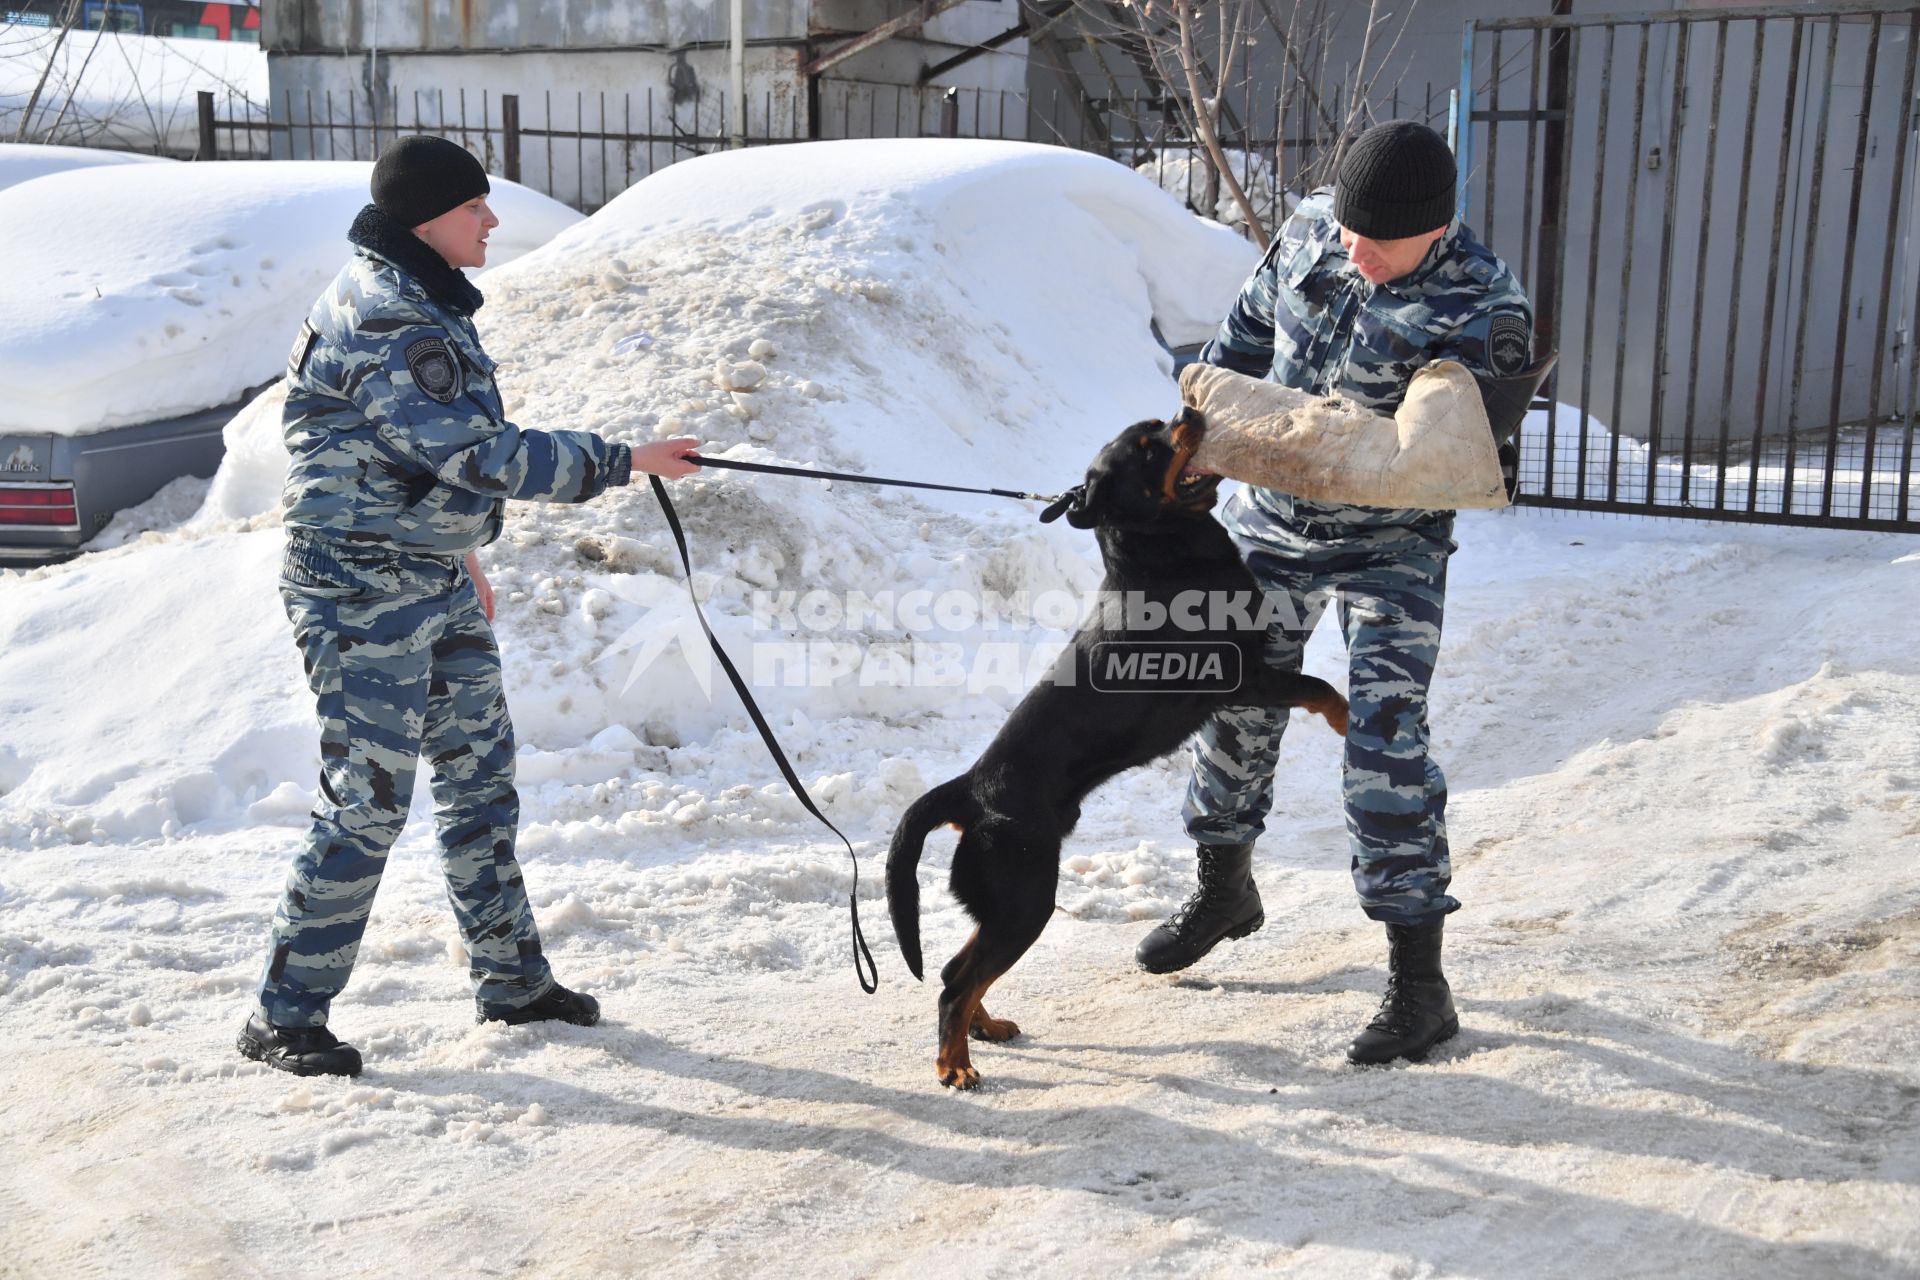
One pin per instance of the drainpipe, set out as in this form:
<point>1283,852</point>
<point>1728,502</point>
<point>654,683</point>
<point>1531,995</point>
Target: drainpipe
<point>739,77</point>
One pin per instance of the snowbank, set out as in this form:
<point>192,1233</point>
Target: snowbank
<point>24,161</point>
<point>976,313</point>
<point>964,311</point>
<point>134,92</point>
<point>119,316</point>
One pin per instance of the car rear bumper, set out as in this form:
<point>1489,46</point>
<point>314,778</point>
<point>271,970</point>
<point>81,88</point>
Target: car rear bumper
<point>107,471</point>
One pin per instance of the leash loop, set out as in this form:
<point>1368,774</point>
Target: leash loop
<point>863,966</point>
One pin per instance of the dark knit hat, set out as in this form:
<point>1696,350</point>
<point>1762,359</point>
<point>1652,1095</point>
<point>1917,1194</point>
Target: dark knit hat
<point>419,178</point>
<point>1396,180</point>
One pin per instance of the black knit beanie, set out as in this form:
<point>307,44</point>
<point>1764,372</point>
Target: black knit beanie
<point>1396,180</point>
<point>419,178</point>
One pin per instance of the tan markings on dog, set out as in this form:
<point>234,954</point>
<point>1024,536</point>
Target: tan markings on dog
<point>1333,709</point>
<point>954,1065</point>
<point>987,1027</point>
<point>1186,443</point>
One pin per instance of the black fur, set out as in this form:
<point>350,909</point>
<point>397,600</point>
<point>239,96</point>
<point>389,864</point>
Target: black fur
<point>1020,800</point>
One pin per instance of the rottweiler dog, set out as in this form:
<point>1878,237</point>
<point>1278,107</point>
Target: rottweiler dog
<point>1164,650</point>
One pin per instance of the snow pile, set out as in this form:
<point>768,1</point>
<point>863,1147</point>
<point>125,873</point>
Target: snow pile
<point>865,306</point>
<point>119,316</point>
<point>139,93</point>
<point>24,161</point>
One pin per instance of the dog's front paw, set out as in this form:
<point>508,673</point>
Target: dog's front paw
<point>959,1077</point>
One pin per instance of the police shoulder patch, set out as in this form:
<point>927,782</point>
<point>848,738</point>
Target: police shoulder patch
<point>434,369</point>
<point>1509,343</point>
<point>302,347</point>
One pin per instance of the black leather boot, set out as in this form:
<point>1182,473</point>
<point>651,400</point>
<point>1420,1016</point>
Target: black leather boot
<point>1226,905</point>
<point>304,1051</point>
<point>1418,1011</point>
<point>558,1005</point>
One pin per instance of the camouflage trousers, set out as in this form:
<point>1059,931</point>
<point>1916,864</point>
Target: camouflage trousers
<point>402,660</point>
<point>1388,582</point>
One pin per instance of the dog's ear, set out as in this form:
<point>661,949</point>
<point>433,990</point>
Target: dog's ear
<point>1064,504</point>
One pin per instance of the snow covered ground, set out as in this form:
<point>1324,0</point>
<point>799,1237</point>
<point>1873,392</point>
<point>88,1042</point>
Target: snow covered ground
<point>1685,800</point>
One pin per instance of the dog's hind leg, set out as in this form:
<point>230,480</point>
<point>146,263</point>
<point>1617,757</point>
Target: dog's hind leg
<point>1007,885</point>
<point>987,1027</point>
<point>988,954</point>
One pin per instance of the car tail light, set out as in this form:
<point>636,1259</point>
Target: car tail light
<point>51,505</point>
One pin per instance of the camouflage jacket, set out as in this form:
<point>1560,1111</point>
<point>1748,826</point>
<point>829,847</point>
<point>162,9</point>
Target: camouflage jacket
<point>397,431</point>
<point>1308,319</point>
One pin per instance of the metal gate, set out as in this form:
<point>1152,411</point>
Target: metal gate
<point>1715,213</point>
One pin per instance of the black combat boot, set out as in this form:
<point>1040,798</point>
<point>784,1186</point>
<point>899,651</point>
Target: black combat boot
<point>1418,1011</point>
<point>558,1005</point>
<point>305,1051</point>
<point>1226,905</point>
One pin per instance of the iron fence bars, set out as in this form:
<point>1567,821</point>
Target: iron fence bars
<point>1725,314</point>
<point>586,152</point>
<point>1894,191</point>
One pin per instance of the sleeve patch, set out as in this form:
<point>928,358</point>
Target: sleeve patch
<point>434,369</point>
<point>1509,344</point>
<point>302,347</point>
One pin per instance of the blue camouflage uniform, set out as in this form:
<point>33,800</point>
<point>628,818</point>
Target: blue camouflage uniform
<point>1308,319</point>
<point>402,459</point>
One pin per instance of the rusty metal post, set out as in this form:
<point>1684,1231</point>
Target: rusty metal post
<point>1555,160</point>
<point>209,147</point>
<point>510,135</point>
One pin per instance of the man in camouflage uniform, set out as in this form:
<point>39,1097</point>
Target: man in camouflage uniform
<point>402,459</point>
<point>1364,284</point>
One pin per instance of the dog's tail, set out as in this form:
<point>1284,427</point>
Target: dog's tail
<point>950,803</point>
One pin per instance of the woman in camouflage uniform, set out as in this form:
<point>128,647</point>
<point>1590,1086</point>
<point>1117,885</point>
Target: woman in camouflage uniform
<point>403,460</point>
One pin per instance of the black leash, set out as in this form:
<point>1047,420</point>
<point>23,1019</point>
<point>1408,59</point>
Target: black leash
<point>769,469</point>
<point>863,967</point>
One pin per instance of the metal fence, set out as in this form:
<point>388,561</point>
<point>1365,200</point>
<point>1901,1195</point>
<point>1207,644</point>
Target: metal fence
<point>584,149</point>
<point>1717,226</point>
<point>1714,212</point>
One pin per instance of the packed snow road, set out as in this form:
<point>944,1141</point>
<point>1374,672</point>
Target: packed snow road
<point>1686,974</point>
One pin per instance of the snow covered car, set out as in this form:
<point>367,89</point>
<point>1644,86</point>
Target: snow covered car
<point>24,161</point>
<point>157,300</point>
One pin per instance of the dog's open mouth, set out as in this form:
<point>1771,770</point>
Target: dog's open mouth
<point>1192,484</point>
<point>1192,480</point>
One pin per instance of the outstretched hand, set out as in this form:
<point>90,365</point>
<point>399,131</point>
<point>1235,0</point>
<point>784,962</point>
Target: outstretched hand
<point>666,458</point>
